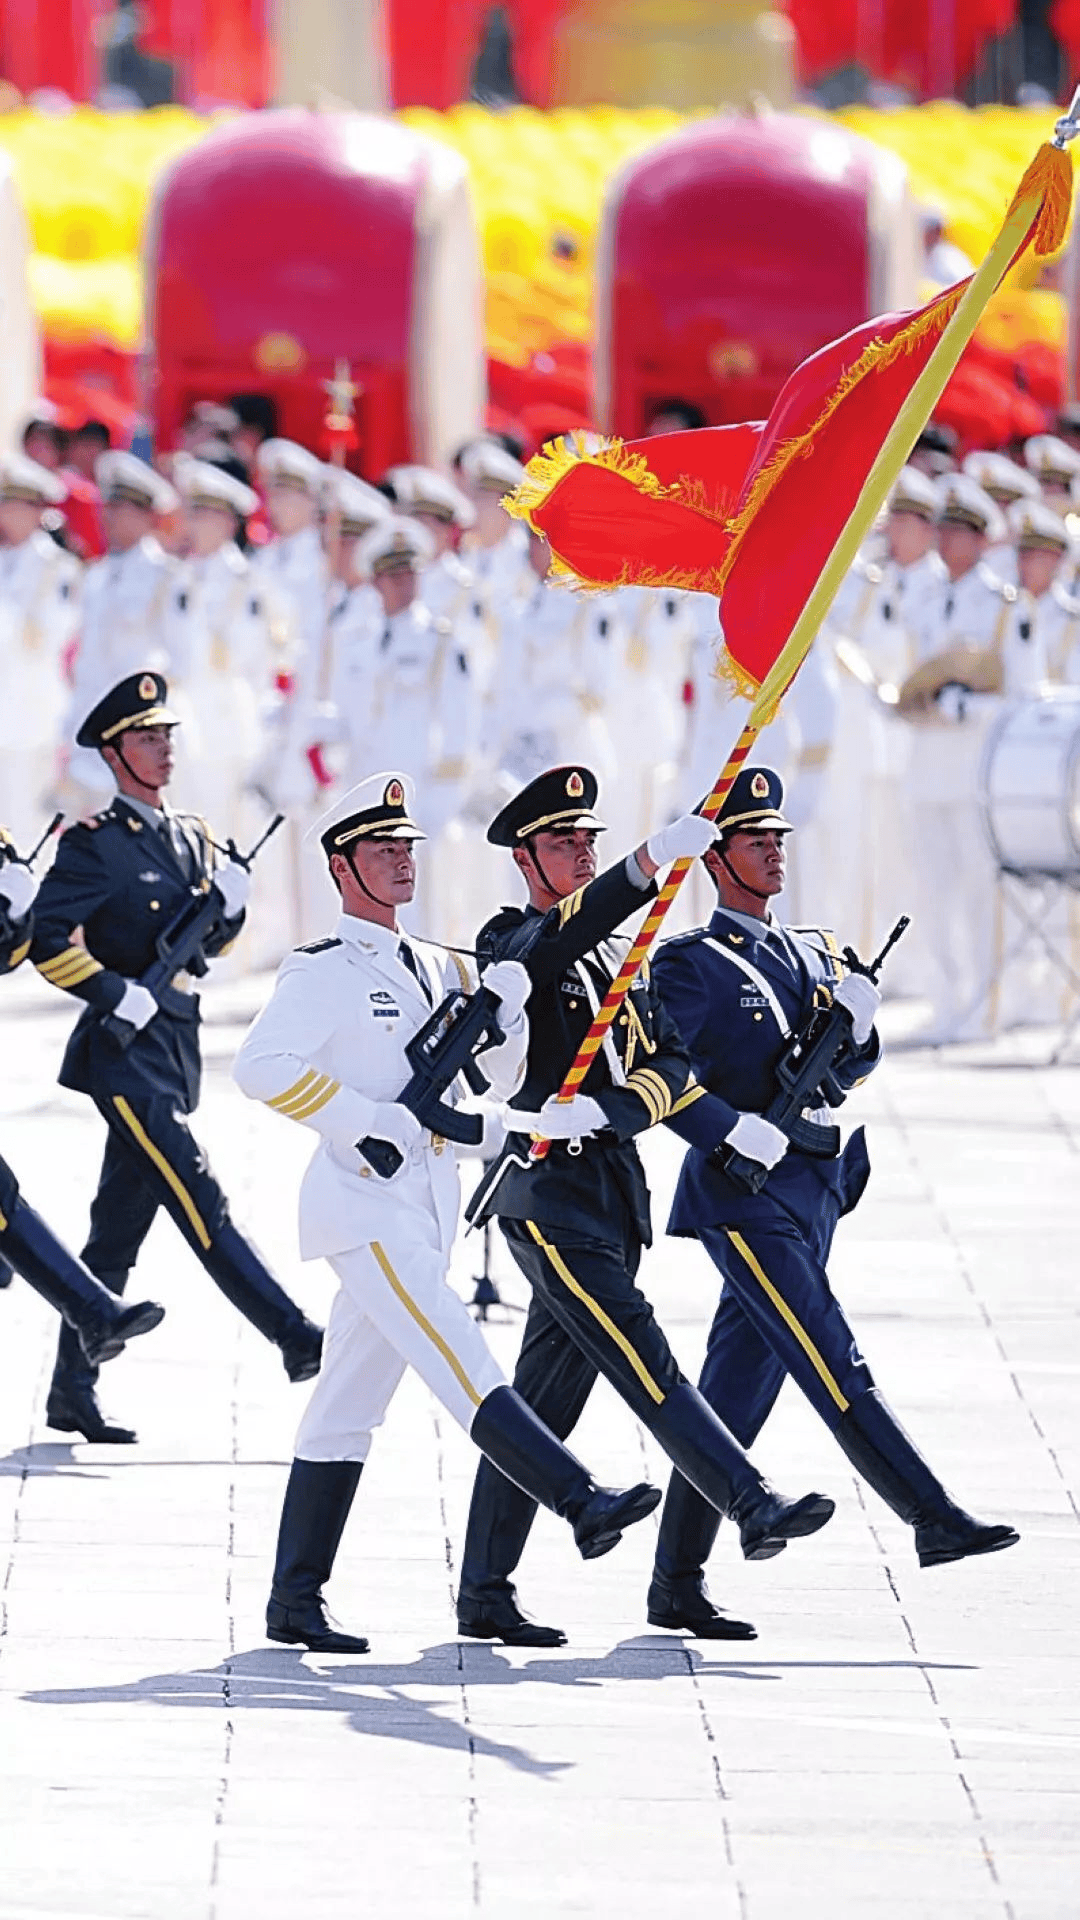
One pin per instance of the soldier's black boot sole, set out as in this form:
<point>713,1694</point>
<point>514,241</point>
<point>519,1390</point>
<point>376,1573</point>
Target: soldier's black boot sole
<point>889,1461</point>
<point>684,1606</point>
<point>74,1409</point>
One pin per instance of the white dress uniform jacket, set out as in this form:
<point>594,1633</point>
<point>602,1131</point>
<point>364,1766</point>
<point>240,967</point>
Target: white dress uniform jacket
<point>39,613</point>
<point>125,601</point>
<point>330,1045</point>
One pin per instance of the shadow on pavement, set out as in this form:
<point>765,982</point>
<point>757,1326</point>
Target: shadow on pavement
<point>46,1456</point>
<point>378,1700</point>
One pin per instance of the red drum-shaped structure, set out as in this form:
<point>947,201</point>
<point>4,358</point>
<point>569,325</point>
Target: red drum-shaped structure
<point>289,241</point>
<point>731,251</point>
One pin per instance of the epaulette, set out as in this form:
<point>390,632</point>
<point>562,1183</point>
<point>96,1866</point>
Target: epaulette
<point>95,820</point>
<point>825,942</point>
<point>1009,593</point>
<point>682,939</point>
<point>320,946</point>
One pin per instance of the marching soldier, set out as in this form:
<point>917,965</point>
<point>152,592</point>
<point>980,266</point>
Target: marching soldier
<point>329,1051</point>
<point>973,644</point>
<point>122,878</point>
<point>1042,549</point>
<point>738,989</point>
<point>125,601</point>
<point>577,1221</point>
<point>96,1320</point>
<point>293,567</point>
<point>357,618</point>
<point>497,547</point>
<point>39,612</point>
<point>227,650</point>
<point>1006,483</point>
<point>1055,468</point>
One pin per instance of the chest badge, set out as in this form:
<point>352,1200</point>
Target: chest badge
<point>150,876</point>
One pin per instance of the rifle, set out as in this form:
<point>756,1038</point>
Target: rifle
<point>806,1076</point>
<point>446,1045</point>
<point>179,946</point>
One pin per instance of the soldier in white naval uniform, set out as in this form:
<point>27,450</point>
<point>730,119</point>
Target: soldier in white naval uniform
<point>125,598</point>
<point>294,568</point>
<point>39,611</point>
<point>975,644</point>
<point>1043,548</point>
<point>329,1052</point>
<point>1005,482</point>
<point>227,650</point>
<point>497,548</point>
<point>356,618</point>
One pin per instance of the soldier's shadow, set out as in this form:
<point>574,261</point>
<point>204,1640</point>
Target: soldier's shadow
<point>378,1700</point>
<point>46,1457</point>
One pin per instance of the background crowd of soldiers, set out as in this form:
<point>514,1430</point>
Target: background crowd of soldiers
<point>313,628</point>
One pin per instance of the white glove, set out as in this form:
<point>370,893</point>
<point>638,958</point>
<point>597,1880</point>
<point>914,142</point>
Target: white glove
<point>233,882</point>
<point>951,704</point>
<point>685,839</point>
<point>395,1123</point>
<point>137,1005</point>
<point>510,981</point>
<point>573,1119</point>
<point>757,1138</point>
<point>17,888</point>
<point>862,1000</point>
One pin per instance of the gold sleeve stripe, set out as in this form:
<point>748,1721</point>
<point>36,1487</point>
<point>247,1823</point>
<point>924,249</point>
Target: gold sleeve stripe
<point>16,959</point>
<point>298,1086</point>
<point>570,906</point>
<point>71,968</point>
<point>687,1099</point>
<point>314,1102</point>
<point>306,1096</point>
<point>647,1095</point>
<point>648,1077</point>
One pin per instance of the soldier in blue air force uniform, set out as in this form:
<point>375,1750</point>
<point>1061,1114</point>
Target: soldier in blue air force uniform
<point>738,990</point>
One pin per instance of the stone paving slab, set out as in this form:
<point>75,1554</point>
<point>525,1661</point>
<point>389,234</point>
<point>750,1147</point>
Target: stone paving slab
<point>896,1743</point>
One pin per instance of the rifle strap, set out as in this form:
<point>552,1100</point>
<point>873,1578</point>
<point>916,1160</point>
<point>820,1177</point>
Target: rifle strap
<point>757,979</point>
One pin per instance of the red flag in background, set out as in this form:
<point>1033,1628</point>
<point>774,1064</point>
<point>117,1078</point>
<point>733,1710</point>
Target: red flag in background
<point>752,513</point>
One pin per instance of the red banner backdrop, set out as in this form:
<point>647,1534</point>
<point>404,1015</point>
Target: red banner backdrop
<point>931,47</point>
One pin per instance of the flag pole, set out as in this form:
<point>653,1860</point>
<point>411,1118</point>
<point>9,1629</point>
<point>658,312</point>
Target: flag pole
<point>910,420</point>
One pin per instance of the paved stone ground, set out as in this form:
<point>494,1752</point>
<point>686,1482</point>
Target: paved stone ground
<point>895,1743</point>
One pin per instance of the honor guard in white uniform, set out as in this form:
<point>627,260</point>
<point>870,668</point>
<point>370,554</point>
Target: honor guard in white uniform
<point>870,628</point>
<point>652,641</point>
<point>125,606</point>
<point>497,548</point>
<point>39,612</point>
<point>1043,548</point>
<point>554,683</point>
<point>975,643</point>
<point>295,570</point>
<point>1005,482</point>
<point>449,586</point>
<point>329,1052</point>
<point>1055,467</point>
<point>227,650</point>
<point>356,618</point>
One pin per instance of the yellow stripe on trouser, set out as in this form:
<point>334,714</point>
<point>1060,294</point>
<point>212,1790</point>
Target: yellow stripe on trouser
<point>425,1326</point>
<point>786,1315</point>
<point>598,1313</point>
<point>167,1173</point>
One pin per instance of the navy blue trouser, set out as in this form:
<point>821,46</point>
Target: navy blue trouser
<point>777,1316</point>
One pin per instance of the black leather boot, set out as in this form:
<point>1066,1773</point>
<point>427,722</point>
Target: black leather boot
<point>316,1507</point>
<point>239,1270</point>
<point>888,1460</point>
<point>712,1460</point>
<point>72,1405</point>
<point>78,1296</point>
<point>678,1597</point>
<point>508,1431</point>
<point>494,1614</point>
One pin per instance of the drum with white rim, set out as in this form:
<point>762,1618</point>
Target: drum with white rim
<point>1030,786</point>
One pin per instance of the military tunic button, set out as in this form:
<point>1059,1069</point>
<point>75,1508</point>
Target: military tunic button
<point>155,906</point>
<point>759,1016</point>
<point>365,1173</point>
<point>572,1004</point>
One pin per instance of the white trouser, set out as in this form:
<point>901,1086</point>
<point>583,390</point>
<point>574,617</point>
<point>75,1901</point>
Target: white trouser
<point>394,1309</point>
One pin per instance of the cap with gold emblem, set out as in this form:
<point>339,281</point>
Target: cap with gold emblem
<point>914,492</point>
<point>122,476</point>
<point>395,544</point>
<point>379,808</point>
<point>1000,477</point>
<point>1036,527</point>
<point>138,701</point>
<point>200,484</point>
<point>754,804</point>
<point>423,490</point>
<point>555,802</point>
<point>23,479</point>
<point>285,463</point>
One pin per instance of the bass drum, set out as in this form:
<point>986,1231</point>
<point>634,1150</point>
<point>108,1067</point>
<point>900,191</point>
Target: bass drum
<point>1030,785</point>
